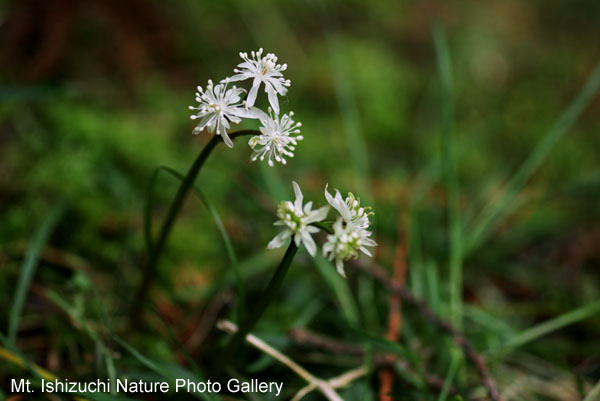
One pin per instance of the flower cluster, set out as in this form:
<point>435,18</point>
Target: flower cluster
<point>220,106</point>
<point>350,230</point>
<point>277,138</point>
<point>349,234</point>
<point>296,220</point>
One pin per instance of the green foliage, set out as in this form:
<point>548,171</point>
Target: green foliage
<point>495,198</point>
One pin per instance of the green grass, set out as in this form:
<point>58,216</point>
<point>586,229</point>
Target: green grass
<point>554,324</point>
<point>29,266</point>
<point>449,164</point>
<point>492,215</point>
<point>475,140</point>
<point>239,284</point>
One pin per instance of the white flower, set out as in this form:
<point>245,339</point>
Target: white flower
<point>350,234</point>
<point>262,70</point>
<point>276,138</point>
<point>220,106</point>
<point>349,208</point>
<point>345,242</point>
<point>296,221</point>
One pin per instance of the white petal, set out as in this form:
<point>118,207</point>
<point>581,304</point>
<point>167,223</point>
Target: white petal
<point>297,239</point>
<point>252,94</point>
<point>273,101</point>
<point>338,204</point>
<point>238,77</point>
<point>299,197</point>
<point>309,243</point>
<point>282,90</point>
<point>212,124</point>
<point>251,112</point>
<point>225,123</point>
<point>312,229</point>
<point>339,264</point>
<point>369,241</point>
<point>365,251</point>
<point>279,240</point>
<point>319,214</point>
<point>328,196</point>
<point>231,115</point>
<point>226,139</point>
<point>204,121</point>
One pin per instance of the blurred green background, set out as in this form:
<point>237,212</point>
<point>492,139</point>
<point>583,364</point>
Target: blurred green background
<point>94,96</point>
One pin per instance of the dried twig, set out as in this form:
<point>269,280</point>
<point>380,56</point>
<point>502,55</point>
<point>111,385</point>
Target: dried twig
<point>309,339</point>
<point>321,385</point>
<point>340,381</point>
<point>472,355</point>
<point>199,332</point>
<point>386,375</point>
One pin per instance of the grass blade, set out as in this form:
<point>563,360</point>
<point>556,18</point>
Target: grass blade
<point>13,357</point>
<point>490,217</point>
<point>169,372</point>
<point>239,283</point>
<point>452,369</point>
<point>358,157</point>
<point>350,116</point>
<point>29,267</point>
<point>433,286</point>
<point>272,180</point>
<point>450,176</point>
<point>554,324</point>
<point>384,345</point>
<point>594,393</point>
<point>340,289</point>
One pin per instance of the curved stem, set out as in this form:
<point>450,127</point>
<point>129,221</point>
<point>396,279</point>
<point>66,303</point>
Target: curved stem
<point>326,225</point>
<point>154,251</point>
<point>265,300</point>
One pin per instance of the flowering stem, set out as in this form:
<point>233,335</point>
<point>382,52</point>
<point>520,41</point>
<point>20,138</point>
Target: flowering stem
<point>326,225</point>
<point>154,251</point>
<point>264,301</point>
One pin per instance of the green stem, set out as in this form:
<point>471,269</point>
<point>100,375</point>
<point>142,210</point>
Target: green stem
<point>326,225</point>
<point>264,301</point>
<point>451,175</point>
<point>29,266</point>
<point>154,251</point>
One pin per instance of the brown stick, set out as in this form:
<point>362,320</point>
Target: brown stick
<point>472,355</point>
<point>386,375</point>
<point>310,339</point>
<point>313,340</point>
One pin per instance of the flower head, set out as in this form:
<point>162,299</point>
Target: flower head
<point>262,70</point>
<point>218,107</point>
<point>349,208</point>
<point>350,234</point>
<point>278,138</point>
<point>296,221</point>
<point>345,243</point>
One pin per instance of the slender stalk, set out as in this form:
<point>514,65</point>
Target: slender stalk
<point>326,225</point>
<point>553,324</point>
<point>254,316</point>
<point>451,176</point>
<point>29,266</point>
<point>492,214</point>
<point>154,251</point>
